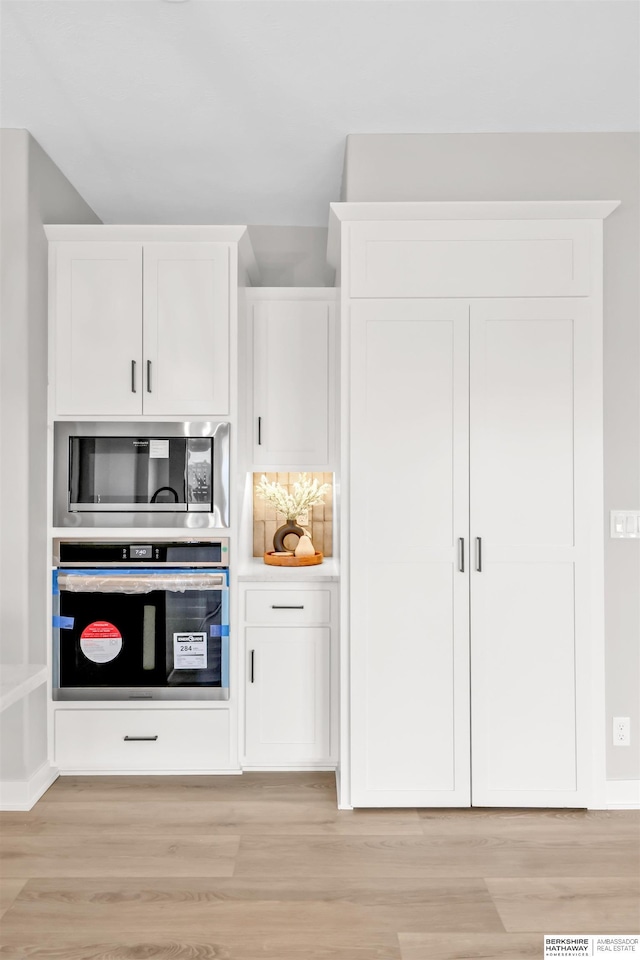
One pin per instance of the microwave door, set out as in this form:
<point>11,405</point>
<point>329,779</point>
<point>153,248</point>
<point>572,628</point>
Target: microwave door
<point>123,474</point>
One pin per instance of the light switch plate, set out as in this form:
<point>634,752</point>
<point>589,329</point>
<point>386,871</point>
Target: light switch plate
<point>625,524</point>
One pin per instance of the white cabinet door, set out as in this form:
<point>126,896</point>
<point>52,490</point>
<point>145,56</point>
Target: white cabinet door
<point>186,329</point>
<point>293,345</point>
<point>408,512</point>
<point>97,303</point>
<point>288,695</point>
<point>530,504</point>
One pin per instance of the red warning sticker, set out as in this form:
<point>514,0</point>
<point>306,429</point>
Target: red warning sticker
<point>100,641</point>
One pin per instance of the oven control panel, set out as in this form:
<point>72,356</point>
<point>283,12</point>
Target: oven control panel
<point>176,553</point>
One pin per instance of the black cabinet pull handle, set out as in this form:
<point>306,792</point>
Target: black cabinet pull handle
<point>461,554</point>
<point>479,554</point>
<point>259,431</point>
<point>133,376</point>
<point>253,662</point>
<point>129,739</point>
<point>276,606</point>
<point>148,376</point>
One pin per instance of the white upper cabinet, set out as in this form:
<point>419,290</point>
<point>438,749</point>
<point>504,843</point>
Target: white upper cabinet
<point>293,378</point>
<point>186,328</point>
<point>141,328</point>
<point>97,336</point>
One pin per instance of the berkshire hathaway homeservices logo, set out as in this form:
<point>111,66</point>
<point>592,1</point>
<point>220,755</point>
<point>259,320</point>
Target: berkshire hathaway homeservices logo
<point>621,945</point>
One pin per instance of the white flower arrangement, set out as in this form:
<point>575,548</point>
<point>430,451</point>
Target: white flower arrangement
<point>306,493</point>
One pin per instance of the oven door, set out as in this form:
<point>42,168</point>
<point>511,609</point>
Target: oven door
<point>142,634</point>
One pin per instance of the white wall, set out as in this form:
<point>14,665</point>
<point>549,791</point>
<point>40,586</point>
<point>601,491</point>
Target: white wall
<point>32,191</point>
<point>291,256</point>
<point>555,166</point>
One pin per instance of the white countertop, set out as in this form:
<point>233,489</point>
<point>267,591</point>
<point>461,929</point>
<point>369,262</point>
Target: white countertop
<point>257,569</point>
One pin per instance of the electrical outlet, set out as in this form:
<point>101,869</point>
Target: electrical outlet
<point>621,731</point>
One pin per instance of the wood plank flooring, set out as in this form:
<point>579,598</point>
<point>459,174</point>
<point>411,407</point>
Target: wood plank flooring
<point>264,867</point>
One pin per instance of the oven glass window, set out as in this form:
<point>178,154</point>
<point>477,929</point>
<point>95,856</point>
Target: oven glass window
<point>162,638</point>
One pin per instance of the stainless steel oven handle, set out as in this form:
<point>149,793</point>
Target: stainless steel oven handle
<point>130,739</point>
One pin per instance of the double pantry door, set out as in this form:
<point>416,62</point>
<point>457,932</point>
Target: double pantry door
<point>473,436</point>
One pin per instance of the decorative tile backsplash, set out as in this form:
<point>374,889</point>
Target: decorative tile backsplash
<point>266,519</point>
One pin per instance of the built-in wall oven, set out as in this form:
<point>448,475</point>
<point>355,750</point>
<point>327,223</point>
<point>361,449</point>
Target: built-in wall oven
<point>141,474</point>
<point>141,621</point>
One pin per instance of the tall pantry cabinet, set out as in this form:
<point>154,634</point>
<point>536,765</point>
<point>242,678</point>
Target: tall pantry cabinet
<point>472,488</point>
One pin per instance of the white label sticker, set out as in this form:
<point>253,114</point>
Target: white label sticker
<point>159,449</point>
<point>100,641</point>
<point>189,651</point>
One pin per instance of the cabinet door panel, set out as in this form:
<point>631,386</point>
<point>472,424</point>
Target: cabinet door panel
<point>292,365</point>
<point>408,508</point>
<point>97,331</point>
<point>186,328</point>
<point>471,259</point>
<point>288,700</point>
<point>529,472</point>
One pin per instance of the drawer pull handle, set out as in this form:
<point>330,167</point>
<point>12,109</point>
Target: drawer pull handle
<point>283,606</point>
<point>140,738</point>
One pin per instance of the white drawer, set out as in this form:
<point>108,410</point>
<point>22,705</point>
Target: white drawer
<point>186,740</point>
<point>288,607</point>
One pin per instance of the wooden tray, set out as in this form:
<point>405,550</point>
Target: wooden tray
<point>280,561</point>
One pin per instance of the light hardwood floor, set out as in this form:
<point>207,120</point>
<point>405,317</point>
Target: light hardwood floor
<point>264,867</point>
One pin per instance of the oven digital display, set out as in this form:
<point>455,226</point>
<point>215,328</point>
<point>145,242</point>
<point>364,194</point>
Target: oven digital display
<point>140,552</point>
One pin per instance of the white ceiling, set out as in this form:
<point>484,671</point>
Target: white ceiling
<point>237,112</point>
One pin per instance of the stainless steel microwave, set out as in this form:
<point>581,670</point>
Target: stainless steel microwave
<point>141,474</point>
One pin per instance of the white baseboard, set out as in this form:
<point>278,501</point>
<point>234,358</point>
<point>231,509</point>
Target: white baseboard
<point>84,772</point>
<point>23,794</point>
<point>623,794</point>
<point>287,768</point>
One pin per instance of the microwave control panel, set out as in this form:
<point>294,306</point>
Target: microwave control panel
<point>199,472</point>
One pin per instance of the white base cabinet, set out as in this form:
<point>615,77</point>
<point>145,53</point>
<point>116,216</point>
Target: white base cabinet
<point>289,636</point>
